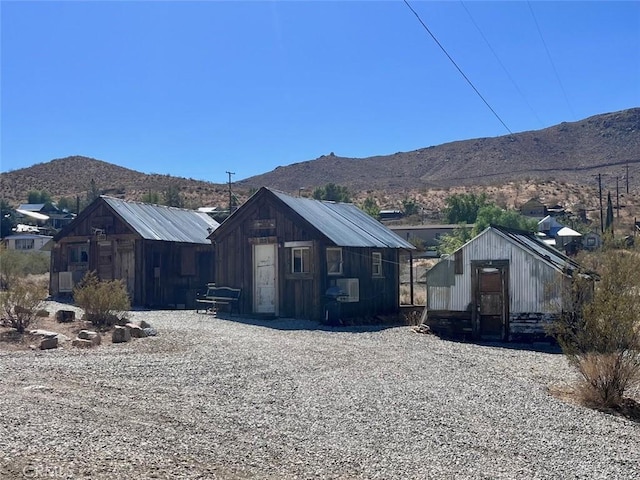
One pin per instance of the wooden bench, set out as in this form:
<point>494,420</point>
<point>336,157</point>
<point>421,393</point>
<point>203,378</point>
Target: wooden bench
<point>217,296</point>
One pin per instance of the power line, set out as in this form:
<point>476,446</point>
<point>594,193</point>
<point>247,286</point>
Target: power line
<point>456,65</point>
<point>553,65</point>
<point>500,63</point>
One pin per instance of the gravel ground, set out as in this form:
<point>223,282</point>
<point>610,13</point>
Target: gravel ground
<point>229,398</point>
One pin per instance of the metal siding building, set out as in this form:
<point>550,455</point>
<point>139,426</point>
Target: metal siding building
<point>531,274</point>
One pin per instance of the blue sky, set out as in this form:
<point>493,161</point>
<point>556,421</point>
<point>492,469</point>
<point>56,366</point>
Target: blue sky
<point>195,89</point>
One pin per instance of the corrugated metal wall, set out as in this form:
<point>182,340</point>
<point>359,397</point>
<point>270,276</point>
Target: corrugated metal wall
<point>534,286</point>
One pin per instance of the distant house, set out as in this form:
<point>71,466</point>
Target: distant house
<point>46,215</point>
<point>533,208</point>
<point>161,253</point>
<point>557,234</point>
<point>503,285</point>
<point>429,234</point>
<point>28,242</point>
<point>292,256</point>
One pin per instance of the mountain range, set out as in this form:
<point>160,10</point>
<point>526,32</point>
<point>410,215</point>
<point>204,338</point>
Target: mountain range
<point>571,153</point>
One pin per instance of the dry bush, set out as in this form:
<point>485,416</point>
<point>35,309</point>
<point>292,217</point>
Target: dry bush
<point>105,302</point>
<point>600,331</point>
<point>22,303</point>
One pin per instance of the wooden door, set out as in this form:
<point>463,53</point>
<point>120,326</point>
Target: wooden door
<point>264,279</point>
<point>105,260</point>
<point>491,302</point>
<point>125,265</point>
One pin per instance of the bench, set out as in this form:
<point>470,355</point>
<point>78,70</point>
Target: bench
<point>217,296</point>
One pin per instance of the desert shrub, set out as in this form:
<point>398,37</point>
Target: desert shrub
<point>15,265</point>
<point>22,302</point>
<point>105,303</point>
<point>600,332</point>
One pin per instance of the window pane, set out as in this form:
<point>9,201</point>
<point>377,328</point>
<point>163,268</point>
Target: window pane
<point>300,262</point>
<point>334,261</point>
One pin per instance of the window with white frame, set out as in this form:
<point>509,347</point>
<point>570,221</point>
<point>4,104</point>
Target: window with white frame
<point>25,244</point>
<point>334,261</point>
<point>376,264</point>
<point>300,260</point>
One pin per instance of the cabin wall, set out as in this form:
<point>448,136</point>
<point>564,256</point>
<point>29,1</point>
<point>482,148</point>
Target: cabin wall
<point>301,295</point>
<point>157,274</point>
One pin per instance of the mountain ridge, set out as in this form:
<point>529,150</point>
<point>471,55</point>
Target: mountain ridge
<point>567,153</point>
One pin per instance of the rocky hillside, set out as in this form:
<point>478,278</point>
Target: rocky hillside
<point>558,164</point>
<point>569,152</point>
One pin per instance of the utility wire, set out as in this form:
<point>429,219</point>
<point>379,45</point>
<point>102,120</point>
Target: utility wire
<point>553,65</point>
<point>456,65</point>
<point>501,64</point>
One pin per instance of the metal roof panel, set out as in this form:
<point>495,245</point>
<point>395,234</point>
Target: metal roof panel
<point>344,223</point>
<point>158,222</point>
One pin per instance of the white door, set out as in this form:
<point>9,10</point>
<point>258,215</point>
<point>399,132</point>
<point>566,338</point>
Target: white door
<point>264,279</point>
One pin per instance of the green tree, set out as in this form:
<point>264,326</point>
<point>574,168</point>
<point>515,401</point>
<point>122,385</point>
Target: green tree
<point>608,224</point>
<point>488,214</point>
<point>38,196</point>
<point>464,207</point>
<point>172,196</point>
<point>332,192</point>
<point>370,207</point>
<point>93,192</point>
<point>7,218</point>
<point>151,197</point>
<point>409,207</point>
<point>600,334</point>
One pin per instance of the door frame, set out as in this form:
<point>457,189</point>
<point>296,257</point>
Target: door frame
<point>275,278</point>
<point>503,267</point>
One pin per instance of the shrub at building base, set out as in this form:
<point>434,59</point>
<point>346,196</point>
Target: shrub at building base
<point>105,302</point>
<point>601,335</point>
<point>22,302</point>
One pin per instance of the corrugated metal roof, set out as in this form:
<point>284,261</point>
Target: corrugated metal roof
<point>344,223</point>
<point>170,224</point>
<point>537,247</point>
<point>32,207</point>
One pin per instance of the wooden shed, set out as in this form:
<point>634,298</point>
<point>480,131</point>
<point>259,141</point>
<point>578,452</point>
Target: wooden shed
<point>504,284</point>
<point>286,253</point>
<point>161,253</point>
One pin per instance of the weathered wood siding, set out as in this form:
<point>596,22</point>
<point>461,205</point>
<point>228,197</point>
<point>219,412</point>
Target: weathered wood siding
<point>157,274</point>
<point>300,295</point>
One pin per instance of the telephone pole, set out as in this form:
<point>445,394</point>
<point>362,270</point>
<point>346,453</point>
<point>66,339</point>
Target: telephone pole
<point>230,194</point>
<point>600,195</point>
<point>617,199</point>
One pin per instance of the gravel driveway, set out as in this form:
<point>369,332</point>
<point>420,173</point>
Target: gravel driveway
<point>214,398</point>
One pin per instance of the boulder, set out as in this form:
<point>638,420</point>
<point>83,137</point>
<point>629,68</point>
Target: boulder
<point>135,331</point>
<point>65,316</point>
<point>47,333</point>
<point>144,324</point>
<point>82,343</point>
<point>150,331</point>
<point>90,335</point>
<point>120,334</point>
<point>49,342</point>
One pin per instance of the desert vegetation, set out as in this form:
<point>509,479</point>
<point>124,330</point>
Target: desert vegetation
<point>105,303</point>
<point>600,332</point>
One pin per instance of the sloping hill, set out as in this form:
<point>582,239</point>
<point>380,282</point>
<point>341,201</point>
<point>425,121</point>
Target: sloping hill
<point>569,152</point>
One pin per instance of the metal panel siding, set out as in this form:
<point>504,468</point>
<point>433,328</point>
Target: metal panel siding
<point>533,282</point>
<point>157,222</point>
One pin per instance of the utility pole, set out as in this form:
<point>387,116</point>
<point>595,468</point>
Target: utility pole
<point>617,199</point>
<point>230,194</point>
<point>600,195</point>
<point>627,176</point>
